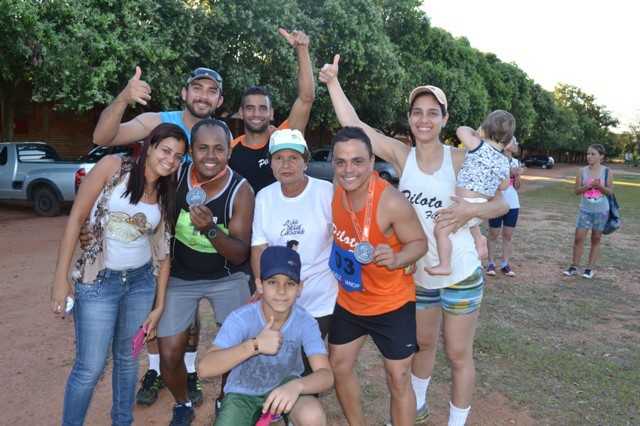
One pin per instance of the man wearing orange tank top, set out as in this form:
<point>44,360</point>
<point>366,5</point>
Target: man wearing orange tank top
<point>376,234</point>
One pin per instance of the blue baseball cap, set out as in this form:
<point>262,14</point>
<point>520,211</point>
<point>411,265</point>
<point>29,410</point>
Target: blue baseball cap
<point>280,260</point>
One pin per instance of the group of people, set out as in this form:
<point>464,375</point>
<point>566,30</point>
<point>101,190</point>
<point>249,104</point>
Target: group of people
<point>200,215</point>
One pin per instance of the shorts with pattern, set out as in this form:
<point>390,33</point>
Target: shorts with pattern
<point>596,220</point>
<point>462,298</point>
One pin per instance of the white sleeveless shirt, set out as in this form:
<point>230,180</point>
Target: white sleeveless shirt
<point>127,244</point>
<point>428,194</point>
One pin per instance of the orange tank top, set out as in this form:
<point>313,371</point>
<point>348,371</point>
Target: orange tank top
<point>365,289</point>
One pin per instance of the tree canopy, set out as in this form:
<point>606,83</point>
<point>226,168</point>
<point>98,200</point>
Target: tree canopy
<point>78,54</point>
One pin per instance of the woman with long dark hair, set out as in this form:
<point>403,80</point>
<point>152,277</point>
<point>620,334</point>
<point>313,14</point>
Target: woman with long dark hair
<point>118,276</point>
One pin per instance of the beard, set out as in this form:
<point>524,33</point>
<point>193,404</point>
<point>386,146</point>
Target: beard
<point>202,115</point>
<point>248,127</point>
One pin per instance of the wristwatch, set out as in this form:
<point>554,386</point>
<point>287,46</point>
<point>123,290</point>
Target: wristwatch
<point>213,231</point>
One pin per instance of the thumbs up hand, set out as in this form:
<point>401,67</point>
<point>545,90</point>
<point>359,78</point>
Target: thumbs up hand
<point>329,71</point>
<point>137,90</point>
<point>269,340</point>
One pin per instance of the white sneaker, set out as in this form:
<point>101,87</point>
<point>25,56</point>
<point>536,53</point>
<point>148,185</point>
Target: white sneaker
<point>588,273</point>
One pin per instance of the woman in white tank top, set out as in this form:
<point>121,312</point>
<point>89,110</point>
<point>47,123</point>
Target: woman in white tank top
<point>120,278</point>
<point>427,178</point>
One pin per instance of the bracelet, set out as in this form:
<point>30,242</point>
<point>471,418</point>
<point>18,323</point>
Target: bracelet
<point>256,349</point>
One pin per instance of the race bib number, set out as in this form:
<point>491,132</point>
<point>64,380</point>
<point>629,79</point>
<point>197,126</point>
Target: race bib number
<point>346,269</point>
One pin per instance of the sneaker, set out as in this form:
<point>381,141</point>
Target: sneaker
<point>422,416</point>
<point>194,388</point>
<point>507,271</point>
<point>588,273</point>
<point>148,392</point>
<point>218,405</point>
<point>182,415</point>
<point>571,271</point>
<point>491,269</point>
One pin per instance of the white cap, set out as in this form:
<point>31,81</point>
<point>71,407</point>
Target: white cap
<point>287,139</point>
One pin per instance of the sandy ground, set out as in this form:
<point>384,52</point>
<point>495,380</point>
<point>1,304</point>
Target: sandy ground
<point>38,351</point>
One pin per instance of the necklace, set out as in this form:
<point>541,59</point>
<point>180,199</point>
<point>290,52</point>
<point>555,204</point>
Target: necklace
<point>150,193</point>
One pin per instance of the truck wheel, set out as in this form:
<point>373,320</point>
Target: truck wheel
<point>45,202</point>
<point>385,176</point>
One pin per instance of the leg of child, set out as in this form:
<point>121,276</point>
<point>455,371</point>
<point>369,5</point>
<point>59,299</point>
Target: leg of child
<point>307,411</point>
<point>481,242</point>
<point>443,244</point>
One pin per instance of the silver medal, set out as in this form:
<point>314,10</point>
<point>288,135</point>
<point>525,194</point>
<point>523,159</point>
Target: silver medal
<point>196,197</point>
<point>363,252</point>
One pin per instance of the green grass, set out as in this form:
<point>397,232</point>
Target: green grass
<point>567,349</point>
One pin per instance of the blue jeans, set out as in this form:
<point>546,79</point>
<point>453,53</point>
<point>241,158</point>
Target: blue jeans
<point>108,313</point>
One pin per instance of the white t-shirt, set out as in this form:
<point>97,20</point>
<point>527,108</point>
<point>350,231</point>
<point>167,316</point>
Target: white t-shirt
<point>279,220</point>
<point>428,194</point>
<point>510,194</point>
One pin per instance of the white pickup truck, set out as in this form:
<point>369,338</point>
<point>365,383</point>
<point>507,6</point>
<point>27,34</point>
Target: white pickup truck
<point>34,171</point>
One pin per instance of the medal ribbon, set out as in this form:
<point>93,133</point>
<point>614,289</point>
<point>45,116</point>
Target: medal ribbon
<point>194,180</point>
<point>363,235</point>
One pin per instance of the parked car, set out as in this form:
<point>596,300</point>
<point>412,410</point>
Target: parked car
<point>320,166</point>
<point>93,156</point>
<point>543,161</point>
<point>34,171</point>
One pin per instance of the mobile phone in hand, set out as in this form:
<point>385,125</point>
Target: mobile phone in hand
<point>138,342</point>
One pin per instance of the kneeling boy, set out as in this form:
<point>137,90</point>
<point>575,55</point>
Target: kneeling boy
<point>261,344</point>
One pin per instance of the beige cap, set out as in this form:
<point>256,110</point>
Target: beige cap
<point>437,92</point>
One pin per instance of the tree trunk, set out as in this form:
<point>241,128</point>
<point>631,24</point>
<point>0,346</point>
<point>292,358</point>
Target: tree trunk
<point>6,106</point>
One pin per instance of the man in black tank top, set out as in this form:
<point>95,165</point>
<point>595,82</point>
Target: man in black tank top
<point>250,155</point>
<point>212,240</point>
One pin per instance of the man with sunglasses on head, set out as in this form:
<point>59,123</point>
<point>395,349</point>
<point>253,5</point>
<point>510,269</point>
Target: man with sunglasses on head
<point>250,154</point>
<point>202,94</point>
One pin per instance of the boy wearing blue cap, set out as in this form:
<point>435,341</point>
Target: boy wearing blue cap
<point>261,344</point>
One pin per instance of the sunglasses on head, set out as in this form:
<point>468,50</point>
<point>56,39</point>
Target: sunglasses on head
<point>199,72</point>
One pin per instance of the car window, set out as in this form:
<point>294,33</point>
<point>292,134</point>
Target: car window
<point>97,153</point>
<point>3,156</point>
<point>320,155</point>
<point>37,152</point>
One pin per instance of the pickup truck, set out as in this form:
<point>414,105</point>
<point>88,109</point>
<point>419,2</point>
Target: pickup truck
<point>321,167</point>
<point>34,171</point>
